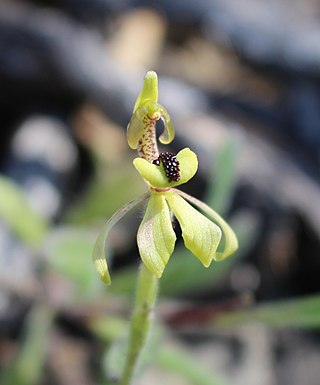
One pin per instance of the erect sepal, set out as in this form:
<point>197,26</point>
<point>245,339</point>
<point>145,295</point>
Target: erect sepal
<point>149,90</point>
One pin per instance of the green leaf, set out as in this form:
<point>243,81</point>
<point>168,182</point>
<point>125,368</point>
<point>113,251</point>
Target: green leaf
<point>222,181</point>
<point>156,238</point>
<point>230,239</point>
<point>29,363</point>
<point>17,213</point>
<point>156,175</point>
<point>299,312</point>
<point>100,251</point>
<point>67,250</point>
<point>177,361</point>
<point>201,236</point>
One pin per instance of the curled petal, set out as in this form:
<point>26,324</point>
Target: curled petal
<point>156,238</point>
<point>200,235</point>
<point>149,90</point>
<point>230,239</point>
<point>156,175</point>
<point>168,134</point>
<point>100,248</point>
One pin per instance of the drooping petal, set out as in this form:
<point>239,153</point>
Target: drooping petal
<point>168,134</point>
<point>200,235</point>
<point>230,238</point>
<point>156,238</point>
<point>149,90</point>
<point>100,251</point>
<point>156,175</point>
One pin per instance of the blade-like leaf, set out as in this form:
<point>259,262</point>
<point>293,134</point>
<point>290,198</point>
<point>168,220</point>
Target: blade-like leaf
<point>230,239</point>
<point>100,248</point>
<point>178,361</point>
<point>222,180</point>
<point>299,312</point>
<point>28,366</point>
<point>156,238</point>
<point>201,236</point>
<point>18,215</point>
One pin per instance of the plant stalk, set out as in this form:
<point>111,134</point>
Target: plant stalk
<point>146,295</point>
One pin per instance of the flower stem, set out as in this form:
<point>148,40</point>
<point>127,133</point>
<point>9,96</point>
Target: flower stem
<point>146,295</point>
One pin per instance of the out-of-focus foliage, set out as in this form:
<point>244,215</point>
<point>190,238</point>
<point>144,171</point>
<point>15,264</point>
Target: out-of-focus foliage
<point>18,214</point>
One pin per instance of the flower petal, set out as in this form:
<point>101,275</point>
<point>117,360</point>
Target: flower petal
<point>230,239</point>
<point>200,235</point>
<point>188,165</point>
<point>156,175</point>
<point>156,238</point>
<point>100,247</point>
<point>168,134</point>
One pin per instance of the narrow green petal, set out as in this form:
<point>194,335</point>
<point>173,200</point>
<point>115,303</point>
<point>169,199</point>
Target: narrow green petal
<point>156,175</point>
<point>149,90</point>
<point>200,235</point>
<point>156,238</point>
<point>168,134</point>
<point>230,239</point>
<point>100,248</point>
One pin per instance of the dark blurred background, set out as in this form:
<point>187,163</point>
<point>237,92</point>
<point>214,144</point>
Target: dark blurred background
<point>241,81</point>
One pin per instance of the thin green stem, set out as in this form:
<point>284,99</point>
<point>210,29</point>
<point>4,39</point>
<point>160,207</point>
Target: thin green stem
<point>146,295</point>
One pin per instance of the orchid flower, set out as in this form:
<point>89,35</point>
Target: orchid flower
<point>207,236</point>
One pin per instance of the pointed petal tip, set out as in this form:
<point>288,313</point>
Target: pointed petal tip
<point>102,269</point>
<point>207,264</point>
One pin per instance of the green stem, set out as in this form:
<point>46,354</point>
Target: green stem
<point>146,295</point>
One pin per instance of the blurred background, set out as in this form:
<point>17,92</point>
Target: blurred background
<point>240,79</point>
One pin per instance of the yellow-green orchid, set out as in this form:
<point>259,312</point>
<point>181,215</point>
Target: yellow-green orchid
<point>156,238</point>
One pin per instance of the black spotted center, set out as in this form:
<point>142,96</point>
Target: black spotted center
<point>170,165</point>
